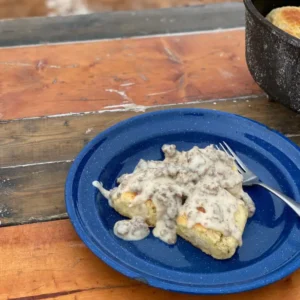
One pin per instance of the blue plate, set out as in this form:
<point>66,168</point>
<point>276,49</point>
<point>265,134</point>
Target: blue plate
<point>272,237</point>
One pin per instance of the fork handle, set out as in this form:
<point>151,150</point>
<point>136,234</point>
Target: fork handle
<point>289,201</point>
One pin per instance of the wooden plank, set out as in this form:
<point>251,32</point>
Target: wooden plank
<point>47,258</point>
<point>34,193</point>
<point>33,8</point>
<point>147,4</point>
<point>276,291</point>
<point>48,261</point>
<point>55,79</point>
<point>22,8</point>
<point>32,141</point>
<point>121,24</point>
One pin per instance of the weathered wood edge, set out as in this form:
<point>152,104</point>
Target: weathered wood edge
<point>32,141</point>
<point>123,24</point>
<point>118,74</point>
<point>35,192</point>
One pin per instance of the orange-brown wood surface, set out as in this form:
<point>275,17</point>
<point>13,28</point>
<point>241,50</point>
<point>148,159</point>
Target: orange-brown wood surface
<point>47,80</point>
<point>47,260</point>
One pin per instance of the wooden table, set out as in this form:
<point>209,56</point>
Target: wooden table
<point>54,98</point>
<point>31,8</point>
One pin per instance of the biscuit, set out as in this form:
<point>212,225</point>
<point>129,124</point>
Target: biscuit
<point>287,19</point>
<point>210,241</point>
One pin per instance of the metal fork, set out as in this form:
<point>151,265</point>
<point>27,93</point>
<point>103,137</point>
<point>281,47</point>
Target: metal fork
<point>249,178</point>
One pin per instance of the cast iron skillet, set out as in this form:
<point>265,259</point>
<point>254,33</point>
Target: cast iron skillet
<point>273,56</point>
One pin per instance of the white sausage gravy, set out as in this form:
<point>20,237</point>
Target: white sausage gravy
<point>203,184</point>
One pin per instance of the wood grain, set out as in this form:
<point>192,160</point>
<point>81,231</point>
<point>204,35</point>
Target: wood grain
<point>57,79</point>
<point>32,193</point>
<point>61,138</point>
<point>48,258</point>
<point>274,292</point>
<point>48,261</point>
<point>22,8</point>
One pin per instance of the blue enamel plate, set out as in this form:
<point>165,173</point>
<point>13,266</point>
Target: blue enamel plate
<point>271,241</point>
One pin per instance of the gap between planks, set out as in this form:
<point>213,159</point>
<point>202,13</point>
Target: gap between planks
<point>29,142</point>
<point>138,37</point>
<point>137,108</point>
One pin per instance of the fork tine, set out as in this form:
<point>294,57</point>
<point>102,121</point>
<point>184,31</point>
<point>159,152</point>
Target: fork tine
<point>224,149</point>
<point>237,165</point>
<point>238,160</point>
